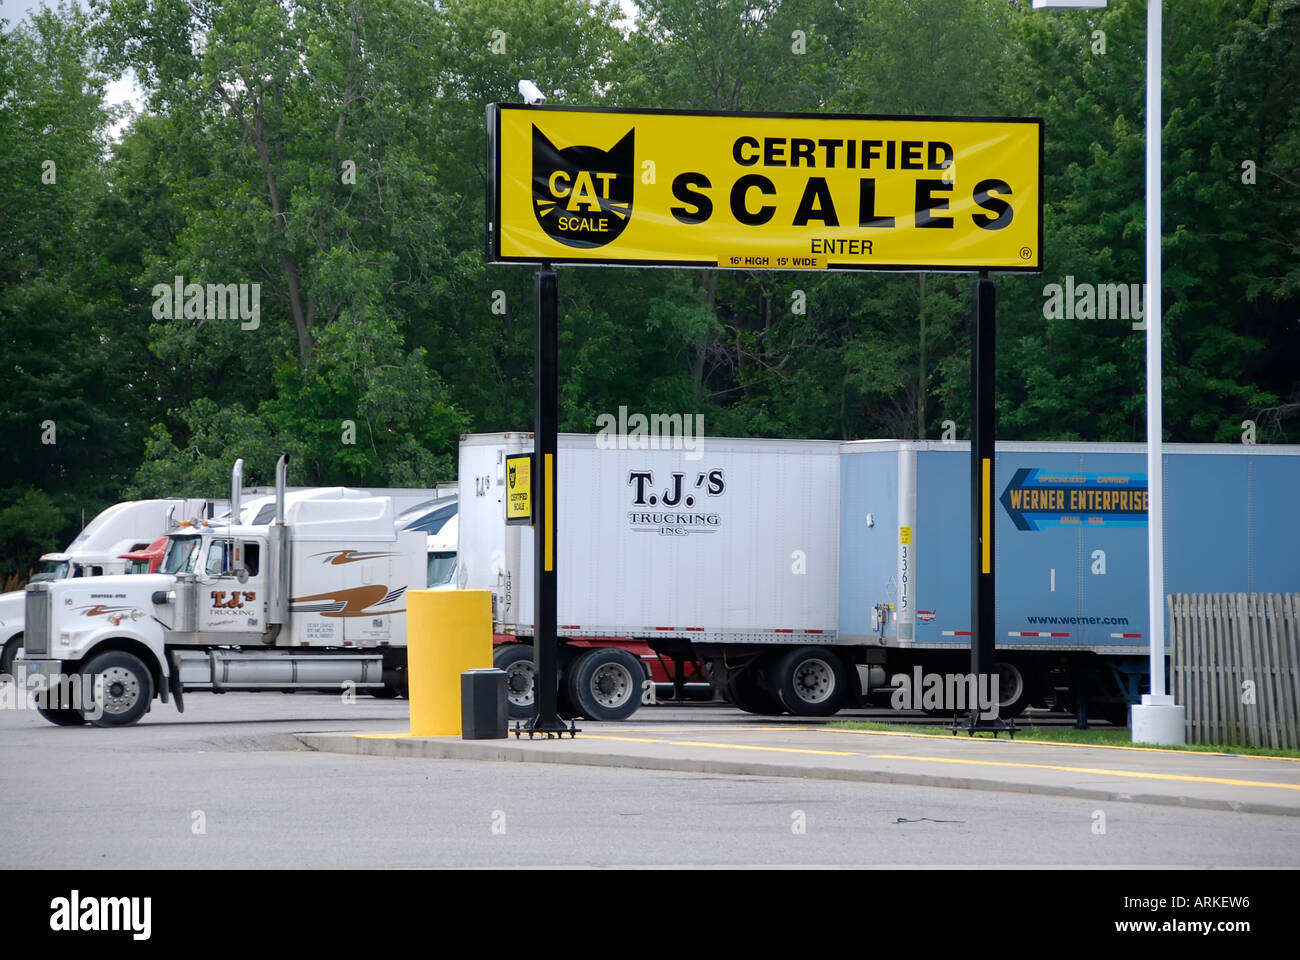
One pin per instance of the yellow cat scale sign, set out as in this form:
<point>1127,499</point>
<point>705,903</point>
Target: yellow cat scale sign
<point>763,191</point>
<point>519,488</point>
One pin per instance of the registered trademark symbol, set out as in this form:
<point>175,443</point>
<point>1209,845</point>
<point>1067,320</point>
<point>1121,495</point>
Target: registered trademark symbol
<point>1025,253</point>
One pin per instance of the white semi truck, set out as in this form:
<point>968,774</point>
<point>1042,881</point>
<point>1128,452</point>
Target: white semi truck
<point>312,599</point>
<point>97,551</point>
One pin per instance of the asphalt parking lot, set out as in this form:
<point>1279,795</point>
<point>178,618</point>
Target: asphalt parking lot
<point>231,784</point>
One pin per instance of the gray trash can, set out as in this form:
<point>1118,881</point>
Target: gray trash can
<point>483,713</point>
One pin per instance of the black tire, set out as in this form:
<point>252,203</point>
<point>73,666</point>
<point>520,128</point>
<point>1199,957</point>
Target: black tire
<point>10,651</point>
<point>750,688</point>
<point>1014,688</point>
<point>516,659</point>
<point>63,718</point>
<point>605,683</point>
<point>383,693</point>
<point>811,681</point>
<point>564,703</point>
<point>127,688</point>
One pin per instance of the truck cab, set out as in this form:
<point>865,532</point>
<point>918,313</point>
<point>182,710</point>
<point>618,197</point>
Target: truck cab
<point>221,570</point>
<point>147,560</point>
<point>439,520</point>
<point>443,560</point>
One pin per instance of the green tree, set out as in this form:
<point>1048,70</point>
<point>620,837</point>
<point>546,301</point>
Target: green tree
<point>68,362</point>
<point>1229,93</point>
<point>30,526</point>
<point>303,161</point>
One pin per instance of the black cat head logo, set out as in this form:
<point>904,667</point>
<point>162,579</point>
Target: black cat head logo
<point>582,196</point>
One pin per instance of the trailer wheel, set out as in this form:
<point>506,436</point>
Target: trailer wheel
<point>383,693</point>
<point>811,681</point>
<point>62,717</point>
<point>516,659</point>
<point>605,684</point>
<point>1013,688</point>
<point>749,688</point>
<point>10,652</point>
<point>125,684</point>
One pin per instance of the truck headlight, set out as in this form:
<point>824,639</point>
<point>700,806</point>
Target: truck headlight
<point>70,638</point>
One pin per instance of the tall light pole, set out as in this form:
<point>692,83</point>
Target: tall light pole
<point>1157,719</point>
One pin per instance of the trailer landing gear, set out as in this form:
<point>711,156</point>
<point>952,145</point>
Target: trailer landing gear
<point>974,721</point>
<point>521,728</point>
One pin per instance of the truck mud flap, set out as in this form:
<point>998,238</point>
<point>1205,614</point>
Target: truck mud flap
<point>174,682</point>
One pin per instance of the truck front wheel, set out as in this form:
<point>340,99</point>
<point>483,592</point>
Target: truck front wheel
<point>62,716</point>
<point>605,683</point>
<point>811,681</point>
<point>121,687</point>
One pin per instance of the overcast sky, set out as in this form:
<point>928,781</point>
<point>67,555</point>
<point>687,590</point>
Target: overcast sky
<point>117,91</point>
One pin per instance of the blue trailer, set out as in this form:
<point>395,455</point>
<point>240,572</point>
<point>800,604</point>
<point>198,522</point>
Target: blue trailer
<point>1070,562</point>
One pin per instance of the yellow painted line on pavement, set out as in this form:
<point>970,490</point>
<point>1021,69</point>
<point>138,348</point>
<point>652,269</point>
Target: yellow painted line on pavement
<point>947,738</point>
<point>1098,771</point>
<point>716,728</point>
<point>589,736</point>
<point>1135,774</point>
<point>726,746</point>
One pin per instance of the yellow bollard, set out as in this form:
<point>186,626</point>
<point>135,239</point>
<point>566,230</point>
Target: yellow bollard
<point>447,633</point>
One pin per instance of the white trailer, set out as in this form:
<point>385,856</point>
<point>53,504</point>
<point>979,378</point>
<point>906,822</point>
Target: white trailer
<point>708,553</point>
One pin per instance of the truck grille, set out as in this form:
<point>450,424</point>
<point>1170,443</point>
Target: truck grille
<point>36,631</point>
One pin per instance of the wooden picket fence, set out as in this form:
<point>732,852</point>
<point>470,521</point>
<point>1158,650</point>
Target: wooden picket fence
<point>1234,663</point>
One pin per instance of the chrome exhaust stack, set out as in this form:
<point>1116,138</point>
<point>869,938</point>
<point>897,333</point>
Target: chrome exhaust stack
<point>236,550</point>
<point>236,484</point>
<point>281,475</point>
<point>278,571</point>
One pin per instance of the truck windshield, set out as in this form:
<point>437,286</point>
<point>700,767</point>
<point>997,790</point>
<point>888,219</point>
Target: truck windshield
<point>55,569</point>
<point>442,567</point>
<point>181,554</point>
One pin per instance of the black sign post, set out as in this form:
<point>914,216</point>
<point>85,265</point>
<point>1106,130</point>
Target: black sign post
<point>545,429</point>
<point>983,369</point>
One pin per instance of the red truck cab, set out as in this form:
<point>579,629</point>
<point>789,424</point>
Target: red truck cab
<point>146,560</point>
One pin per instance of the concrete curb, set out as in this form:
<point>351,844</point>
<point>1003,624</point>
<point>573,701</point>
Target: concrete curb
<point>455,749</point>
